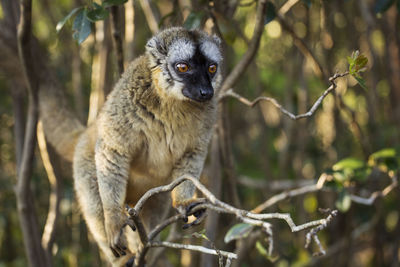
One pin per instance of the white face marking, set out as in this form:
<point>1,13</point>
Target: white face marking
<point>181,50</point>
<point>211,51</point>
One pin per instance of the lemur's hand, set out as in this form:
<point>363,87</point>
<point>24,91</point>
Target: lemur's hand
<point>114,222</point>
<point>192,218</point>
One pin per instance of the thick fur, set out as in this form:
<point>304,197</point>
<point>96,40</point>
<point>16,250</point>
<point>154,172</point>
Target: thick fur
<point>146,135</point>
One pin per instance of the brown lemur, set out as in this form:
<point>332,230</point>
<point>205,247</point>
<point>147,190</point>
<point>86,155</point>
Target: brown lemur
<point>154,127</point>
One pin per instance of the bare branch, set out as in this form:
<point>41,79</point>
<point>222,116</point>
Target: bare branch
<point>287,6</point>
<point>288,194</point>
<point>313,232</point>
<point>274,185</point>
<point>193,248</point>
<point>150,17</point>
<point>371,199</point>
<point>309,113</point>
<point>26,212</point>
<point>55,198</point>
<point>117,37</point>
<point>219,206</point>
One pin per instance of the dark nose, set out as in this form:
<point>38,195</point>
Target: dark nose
<point>206,93</point>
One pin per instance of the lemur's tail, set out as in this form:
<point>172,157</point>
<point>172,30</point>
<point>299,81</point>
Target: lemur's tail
<point>61,126</point>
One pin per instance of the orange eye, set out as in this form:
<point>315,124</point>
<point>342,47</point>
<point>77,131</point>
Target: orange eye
<point>212,68</point>
<point>182,67</point>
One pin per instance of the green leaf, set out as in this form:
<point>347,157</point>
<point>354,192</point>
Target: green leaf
<point>238,231</point>
<point>398,6</point>
<point>361,82</point>
<point>108,3</point>
<point>384,153</point>
<point>97,13</point>
<point>382,5</point>
<point>261,249</point>
<point>385,159</point>
<point>271,13</point>
<point>350,169</point>
<point>343,203</point>
<point>193,21</point>
<point>62,22</point>
<point>81,27</point>
<point>360,63</point>
<point>348,163</point>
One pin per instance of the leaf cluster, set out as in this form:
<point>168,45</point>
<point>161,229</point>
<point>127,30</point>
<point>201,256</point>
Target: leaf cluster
<point>85,16</point>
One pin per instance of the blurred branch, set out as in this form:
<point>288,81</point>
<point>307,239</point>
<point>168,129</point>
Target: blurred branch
<point>26,211</point>
<point>371,199</point>
<point>275,185</point>
<point>292,193</point>
<point>303,47</point>
<point>319,185</point>
<point>317,103</point>
<point>287,6</point>
<point>55,194</point>
<point>343,242</point>
<point>150,17</point>
<point>251,51</point>
<point>117,36</point>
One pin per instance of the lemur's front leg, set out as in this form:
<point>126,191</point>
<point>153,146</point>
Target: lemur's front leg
<point>112,167</point>
<point>183,196</point>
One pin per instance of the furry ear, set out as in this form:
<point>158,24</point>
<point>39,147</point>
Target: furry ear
<point>156,45</point>
<point>216,39</point>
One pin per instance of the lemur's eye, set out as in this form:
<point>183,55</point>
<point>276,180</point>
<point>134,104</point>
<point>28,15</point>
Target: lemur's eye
<point>182,67</point>
<point>212,68</point>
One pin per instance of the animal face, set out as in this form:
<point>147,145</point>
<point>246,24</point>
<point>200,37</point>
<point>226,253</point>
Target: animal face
<point>185,64</point>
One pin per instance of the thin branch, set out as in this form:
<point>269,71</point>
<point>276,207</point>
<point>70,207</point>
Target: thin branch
<point>302,46</point>
<point>313,233</point>
<point>49,232</point>
<point>193,248</point>
<point>287,6</point>
<point>309,113</point>
<point>371,199</point>
<point>150,17</point>
<point>164,224</point>
<point>251,51</point>
<point>292,193</point>
<point>117,37</point>
<point>275,185</point>
<point>26,212</point>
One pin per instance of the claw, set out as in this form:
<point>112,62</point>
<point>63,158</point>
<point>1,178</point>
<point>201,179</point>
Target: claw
<point>199,214</point>
<point>116,254</point>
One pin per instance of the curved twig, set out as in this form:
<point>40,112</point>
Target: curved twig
<point>309,113</point>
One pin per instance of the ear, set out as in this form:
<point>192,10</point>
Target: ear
<point>216,39</point>
<point>156,45</point>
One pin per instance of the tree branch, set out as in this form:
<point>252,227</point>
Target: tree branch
<point>309,113</point>
<point>55,193</point>
<point>193,248</point>
<point>150,17</point>
<point>219,206</point>
<point>117,37</point>
<point>27,215</point>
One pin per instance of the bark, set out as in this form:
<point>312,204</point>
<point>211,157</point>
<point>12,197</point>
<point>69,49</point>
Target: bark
<point>25,204</point>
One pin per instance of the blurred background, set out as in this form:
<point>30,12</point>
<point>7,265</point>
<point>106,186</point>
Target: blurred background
<point>258,151</point>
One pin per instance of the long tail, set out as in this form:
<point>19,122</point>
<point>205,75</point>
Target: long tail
<point>61,126</point>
